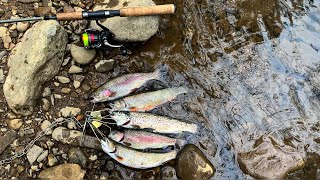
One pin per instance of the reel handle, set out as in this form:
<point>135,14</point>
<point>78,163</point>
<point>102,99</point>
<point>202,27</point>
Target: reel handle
<point>148,10</point>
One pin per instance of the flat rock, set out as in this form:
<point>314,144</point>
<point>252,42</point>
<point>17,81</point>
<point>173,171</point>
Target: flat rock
<point>70,111</point>
<point>63,171</point>
<point>75,138</point>
<point>7,139</point>
<point>82,55</point>
<point>192,164</point>
<point>270,161</point>
<point>29,70</point>
<point>132,29</point>
<point>104,65</point>
<point>34,153</point>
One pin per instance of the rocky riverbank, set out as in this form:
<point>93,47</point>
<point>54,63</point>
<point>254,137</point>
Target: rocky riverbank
<point>46,75</point>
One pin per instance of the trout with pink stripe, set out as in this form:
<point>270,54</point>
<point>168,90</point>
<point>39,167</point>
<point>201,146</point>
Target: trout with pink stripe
<point>123,85</point>
<point>143,140</point>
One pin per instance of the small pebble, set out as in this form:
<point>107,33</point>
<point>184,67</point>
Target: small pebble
<point>76,84</point>
<point>22,26</point>
<point>44,127</point>
<point>93,157</point>
<point>52,160</point>
<point>46,92</point>
<point>63,80</point>
<point>65,90</point>
<point>75,69</point>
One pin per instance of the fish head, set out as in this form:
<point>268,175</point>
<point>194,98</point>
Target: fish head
<point>119,105</point>
<point>116,136</point>
<point>108,146</point>
<point>101,95</point>
<point>120,117</point>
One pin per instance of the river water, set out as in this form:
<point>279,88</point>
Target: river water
<point>252,68</point>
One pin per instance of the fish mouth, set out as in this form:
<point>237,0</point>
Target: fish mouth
<point>93,99</point>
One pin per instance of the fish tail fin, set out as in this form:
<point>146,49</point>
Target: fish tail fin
<point>193,128</point>
<point>182,90</point>
<point>180,143</point>
<point>160,73</point>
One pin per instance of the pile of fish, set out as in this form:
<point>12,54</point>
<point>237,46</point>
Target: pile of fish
<point>142,130</point>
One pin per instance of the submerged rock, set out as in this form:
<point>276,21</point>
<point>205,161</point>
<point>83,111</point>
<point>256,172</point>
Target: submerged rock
<point>192,164</point>
<point>75,138</point>
<point>33,62</point>
<point>128,28</point>
<point>270,161</point>
<point>63,171</point>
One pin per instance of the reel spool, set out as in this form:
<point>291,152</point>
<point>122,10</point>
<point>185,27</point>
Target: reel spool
<point>95,39</point>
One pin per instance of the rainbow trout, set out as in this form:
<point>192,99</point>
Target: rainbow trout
<point>123,85</point>
<point>133,158</point>
<point>147,101</point>
<point>142,139</point>
<point>159,124</point>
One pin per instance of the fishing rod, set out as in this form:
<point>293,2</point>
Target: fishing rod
<point>94,39</point>
<point>93,15</point>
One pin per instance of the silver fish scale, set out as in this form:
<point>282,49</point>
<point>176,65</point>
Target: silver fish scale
<point>155,98</point>
<point>160,124</point>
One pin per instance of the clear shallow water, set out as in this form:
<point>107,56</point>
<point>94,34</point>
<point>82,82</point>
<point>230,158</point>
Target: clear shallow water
<point>253,71</point>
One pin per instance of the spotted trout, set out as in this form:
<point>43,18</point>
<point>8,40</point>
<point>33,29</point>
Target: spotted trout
<point>124,85</point>
<point>133,158</point>
<point>143,139</point>
<point>147,101</point>
<point>155,123</point>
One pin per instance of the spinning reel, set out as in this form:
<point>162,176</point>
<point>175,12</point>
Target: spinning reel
<point>95,39</point>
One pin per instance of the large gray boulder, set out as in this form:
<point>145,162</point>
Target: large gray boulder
<point>35,60</point>
<point>130,29</point>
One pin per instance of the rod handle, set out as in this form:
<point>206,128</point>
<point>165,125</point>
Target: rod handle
<point>69,16</point>
<point>148,10</point>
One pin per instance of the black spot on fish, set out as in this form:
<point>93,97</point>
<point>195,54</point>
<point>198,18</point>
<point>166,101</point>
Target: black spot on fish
<point>126,123</point>
<point>125,4</point>
<point>119,158</point>
<point>135,127</point>
<point>127,144</point>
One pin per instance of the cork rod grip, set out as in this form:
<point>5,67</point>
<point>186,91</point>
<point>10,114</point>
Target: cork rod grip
<point>148,10</point>
<point>69,16</point>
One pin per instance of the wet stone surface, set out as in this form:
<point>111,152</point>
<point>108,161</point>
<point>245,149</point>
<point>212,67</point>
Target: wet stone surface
<point>192,164</point>
<point>269,160</point>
